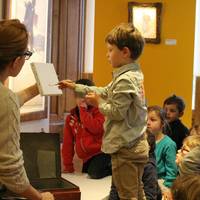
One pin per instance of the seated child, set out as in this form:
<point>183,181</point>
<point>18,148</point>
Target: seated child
<point>165,148</point>
<point>188,157</point>
<point>174,107</point>
<point>186,188</point>
<point>149,178</point>
<point>83,132</point>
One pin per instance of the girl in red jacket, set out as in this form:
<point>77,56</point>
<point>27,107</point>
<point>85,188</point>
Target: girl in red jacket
<point>83,133</point>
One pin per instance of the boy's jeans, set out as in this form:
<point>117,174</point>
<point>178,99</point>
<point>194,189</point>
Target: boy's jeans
<point>127,170</point>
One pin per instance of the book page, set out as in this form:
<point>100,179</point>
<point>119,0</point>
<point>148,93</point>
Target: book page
<point>46,79</point>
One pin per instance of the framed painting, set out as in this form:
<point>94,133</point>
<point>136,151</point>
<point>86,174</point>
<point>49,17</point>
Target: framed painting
<point>146,17</point>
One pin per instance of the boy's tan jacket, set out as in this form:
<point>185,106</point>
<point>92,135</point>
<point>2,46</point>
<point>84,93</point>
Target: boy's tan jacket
<point>123,104</point>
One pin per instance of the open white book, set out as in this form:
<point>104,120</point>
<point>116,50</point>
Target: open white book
<point>46,79</point>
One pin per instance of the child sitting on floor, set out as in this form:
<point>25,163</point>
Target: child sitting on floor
<point>165,149</point>
<point>188,157</point>
<point>83,132</point>
<point>174,107</point>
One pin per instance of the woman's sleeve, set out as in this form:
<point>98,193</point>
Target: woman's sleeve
<point>15,180</point>
<point>12,171</point>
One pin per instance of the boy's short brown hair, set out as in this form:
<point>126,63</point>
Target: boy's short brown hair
<point>177,100</point>
<point>126,35</point>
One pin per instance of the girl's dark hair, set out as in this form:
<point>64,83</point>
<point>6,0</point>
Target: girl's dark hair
<point>13,41</point>
<point>161,114</point>
<point>186,187</point>
<point>151,139</point>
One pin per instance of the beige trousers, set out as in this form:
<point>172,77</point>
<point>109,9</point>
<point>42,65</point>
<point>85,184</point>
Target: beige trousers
<point>127,170</point>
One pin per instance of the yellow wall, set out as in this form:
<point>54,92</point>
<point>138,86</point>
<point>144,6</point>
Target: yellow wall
<point>167,69</point>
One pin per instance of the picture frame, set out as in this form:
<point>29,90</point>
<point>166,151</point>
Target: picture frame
<point>146,17</point>
<point>36,15</point>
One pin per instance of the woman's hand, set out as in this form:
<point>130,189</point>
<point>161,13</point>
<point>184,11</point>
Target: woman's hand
<point>66,84</point>
<point>47,196</point>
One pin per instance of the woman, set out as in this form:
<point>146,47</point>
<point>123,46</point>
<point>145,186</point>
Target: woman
<point>13,53</point>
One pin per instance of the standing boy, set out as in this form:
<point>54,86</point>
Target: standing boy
<point>177,131</point>
<point>123,104</point>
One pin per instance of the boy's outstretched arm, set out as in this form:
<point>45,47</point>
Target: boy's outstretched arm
<point>66,84</point>
<point>84,89</point>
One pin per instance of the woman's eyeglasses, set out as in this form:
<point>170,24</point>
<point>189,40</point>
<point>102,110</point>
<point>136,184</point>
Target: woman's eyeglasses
<point>27,54</point>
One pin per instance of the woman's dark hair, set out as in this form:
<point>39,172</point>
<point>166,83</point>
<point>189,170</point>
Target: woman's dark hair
<point>13,41</point>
